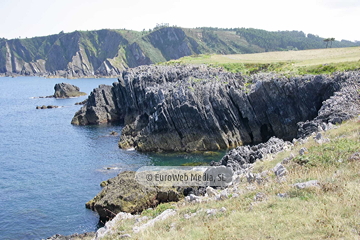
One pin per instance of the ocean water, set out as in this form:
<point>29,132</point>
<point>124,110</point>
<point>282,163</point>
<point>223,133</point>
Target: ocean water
<point>49,168</point>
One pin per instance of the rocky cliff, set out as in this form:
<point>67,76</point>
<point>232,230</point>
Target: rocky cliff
<point>108,52</point>
<point>195,108</point>
<point>101,53</point>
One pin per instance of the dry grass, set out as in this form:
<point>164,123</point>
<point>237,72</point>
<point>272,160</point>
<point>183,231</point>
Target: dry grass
<point>298,58</point>
<point>331,211</point>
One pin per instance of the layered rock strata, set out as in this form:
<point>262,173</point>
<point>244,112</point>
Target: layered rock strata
<point>195,108</point>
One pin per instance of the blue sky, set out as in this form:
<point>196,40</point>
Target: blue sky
<point>326,18</point>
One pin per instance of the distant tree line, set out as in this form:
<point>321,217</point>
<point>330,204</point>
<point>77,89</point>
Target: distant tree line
<point>289,40</point>
<point>284,40</point>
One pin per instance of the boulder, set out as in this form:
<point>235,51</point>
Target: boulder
<point>124,194</point>
<point>66,90</point>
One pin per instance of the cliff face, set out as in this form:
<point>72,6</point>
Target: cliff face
<point>192,108</point>
<point>108,52</point>
<point>103,53</point>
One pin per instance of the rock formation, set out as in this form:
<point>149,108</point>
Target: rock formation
<point>195,108</point>
<point>124,194</point>
<point>66,90</point>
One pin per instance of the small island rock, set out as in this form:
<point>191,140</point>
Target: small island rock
<point>66,90</point>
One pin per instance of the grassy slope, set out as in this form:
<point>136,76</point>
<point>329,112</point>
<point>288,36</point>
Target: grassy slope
<point>330,211</point>
<point>299,62</point>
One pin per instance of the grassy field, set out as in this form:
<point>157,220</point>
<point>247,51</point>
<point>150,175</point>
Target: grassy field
<point>315,61</point>
<point>329,211</point>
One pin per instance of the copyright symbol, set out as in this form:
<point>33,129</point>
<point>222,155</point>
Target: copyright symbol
<point>149,177</point>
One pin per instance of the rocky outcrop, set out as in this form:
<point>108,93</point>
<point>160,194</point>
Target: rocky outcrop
<point>342,106</point>
<point>99,108</point>
<point>66,90</point>
<point>124,194</point>
<point>195,108</point>
<point>242,157</point>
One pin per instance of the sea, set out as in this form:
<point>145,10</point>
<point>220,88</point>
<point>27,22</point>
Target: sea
<point>49,168</point>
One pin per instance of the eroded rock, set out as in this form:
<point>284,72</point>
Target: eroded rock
<point>124,194</point>
<point>199,108</point>
<point>66,90</point>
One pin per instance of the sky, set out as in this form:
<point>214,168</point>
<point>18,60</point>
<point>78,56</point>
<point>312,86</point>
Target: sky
<point>325,18</point>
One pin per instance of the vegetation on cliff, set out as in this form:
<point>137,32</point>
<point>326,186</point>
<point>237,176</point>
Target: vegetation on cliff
<point>106,52</point>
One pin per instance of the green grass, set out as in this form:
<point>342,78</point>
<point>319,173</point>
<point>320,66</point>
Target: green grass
<point>317,61</point>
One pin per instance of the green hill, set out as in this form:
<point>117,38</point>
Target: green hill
<point>107,52</point>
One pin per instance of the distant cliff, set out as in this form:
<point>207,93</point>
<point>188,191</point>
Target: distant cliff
<point>107,52</point>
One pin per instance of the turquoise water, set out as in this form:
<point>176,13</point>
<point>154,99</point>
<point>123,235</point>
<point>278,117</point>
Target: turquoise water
<point>49,168</point>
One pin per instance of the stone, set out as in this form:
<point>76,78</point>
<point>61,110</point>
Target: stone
<point>66,90</point>
<point>164,215</point>
<point>279,170</point>
<point>288,159</point>
<point>211,211</point>
<point>211,192</point>
<point>308,184</point>
<point>124,194</point>
<point>302,151</point>
<point>259,197</point>
<point>125,236</point>
<point>283,195</point>
<point>354,157</point>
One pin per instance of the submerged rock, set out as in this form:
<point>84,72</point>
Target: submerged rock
<point>66,90</point>
<point>199,108</point>
<point>47,107</point>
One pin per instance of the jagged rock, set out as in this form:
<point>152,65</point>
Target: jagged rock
<point>99,108</point>
<point>66,90</point>
<point>342,106</point>
<point>238,158</point>
<point>189,108</point>
<point>124,194</point>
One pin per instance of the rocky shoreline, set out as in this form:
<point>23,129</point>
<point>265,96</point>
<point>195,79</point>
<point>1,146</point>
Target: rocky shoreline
<point>191,108</point>
<point>198,108</point>
<point>173,106</point>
